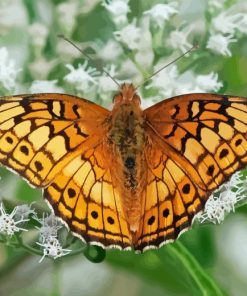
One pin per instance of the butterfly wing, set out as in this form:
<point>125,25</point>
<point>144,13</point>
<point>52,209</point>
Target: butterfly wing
<point>55,141</point>
<point>39,134</point>
<point>84,196</point>
<point>196,142</point>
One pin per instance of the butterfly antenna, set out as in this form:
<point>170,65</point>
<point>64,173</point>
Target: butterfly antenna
<point>89,58</point>
<point>167,65</point>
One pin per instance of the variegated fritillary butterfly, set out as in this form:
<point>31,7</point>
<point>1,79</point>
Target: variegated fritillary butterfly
<point>127,177</point>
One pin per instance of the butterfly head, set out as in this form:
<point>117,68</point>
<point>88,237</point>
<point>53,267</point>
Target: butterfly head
<point>127,95</point>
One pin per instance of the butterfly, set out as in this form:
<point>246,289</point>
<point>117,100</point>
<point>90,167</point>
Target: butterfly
<point>125,178</point>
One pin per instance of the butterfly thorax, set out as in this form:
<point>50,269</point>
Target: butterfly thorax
<point>127,140</point>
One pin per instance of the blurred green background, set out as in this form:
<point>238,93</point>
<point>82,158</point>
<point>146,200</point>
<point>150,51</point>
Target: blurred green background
<point>207,260</point>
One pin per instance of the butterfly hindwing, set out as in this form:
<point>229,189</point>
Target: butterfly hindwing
<point>83,195</point>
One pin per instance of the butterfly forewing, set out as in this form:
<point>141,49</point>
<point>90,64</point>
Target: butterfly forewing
<point>39,134</point>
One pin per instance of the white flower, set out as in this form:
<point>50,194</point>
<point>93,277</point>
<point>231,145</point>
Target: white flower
<point>67,13</point>
<point>109,51</point>
<point>129,35</point>
<point>145,54</point>
<point>45,86</point>
<point>219,44</point>
<point>242,27</point>
<point>38,33</point>
<point>23,212</point>
<point>12,14</point>
<point>83,78</point>
<point>41,67</point>
<point>216,4</point>
<point>49,227</point>
<point>223,200</point>
<point>105,83</point>
<point>209,82</point>
<point>53,249</point>
<point>178,40</point>
<point>8,71</point>
<point>118,9</point>
<point>160,13</point>
<point>165,81</point>
<point>9,222</point>
<point>227,24</point>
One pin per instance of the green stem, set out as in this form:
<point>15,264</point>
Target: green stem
<point>206,284</point>
<point>130,55</point>
<point>76,252</point>
<point>56,278</point>
<point>27,247</point>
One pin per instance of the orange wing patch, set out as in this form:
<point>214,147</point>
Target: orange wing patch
<point>171,200</point>
<point>198,142</point>
<point>33,127</point>
<point>83,195</point>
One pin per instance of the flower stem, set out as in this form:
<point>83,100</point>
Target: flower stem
<point>56,278</point>
<point>129,53</point>
<point>206,284</point>
<point>27,247</point>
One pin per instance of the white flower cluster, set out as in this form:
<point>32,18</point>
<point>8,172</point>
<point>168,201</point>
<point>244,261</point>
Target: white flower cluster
<point>224,28</point>
<point>48,233</point>
<point>8,70</point>
<point>118,10</point>
<point>224,199</point>
<point>170,83</point>
<point>13,222</point>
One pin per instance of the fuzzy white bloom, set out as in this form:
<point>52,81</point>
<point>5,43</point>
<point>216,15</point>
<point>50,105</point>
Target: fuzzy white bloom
<point>129,35</point>
<point>23,212</point>
<point>219,44</point>
<point>226,23</point>
<point>160,13</point>
<point>118,9</point>
<point>82,78</point>
<point>13,13</point>
<point>38,33</point>
<point>8,71</point>
<point>49,227</point>
<point>45,86</point>
<point>209,82</point>
<point>165,81</point>
<point>105,83</point>
<point>242,27</point>
<point>170,83</point>
<point>179,40</point>
<point>67,13</point>
<point>53,249</point>
<point>223,200</point>
<point>215,4</point>
<point>9,222</point>
<point>41,67</point>
<point>145,54</point>
<point>109,51</point>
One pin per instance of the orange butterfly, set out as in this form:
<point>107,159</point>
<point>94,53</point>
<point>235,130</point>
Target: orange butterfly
<point>127,177</point>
